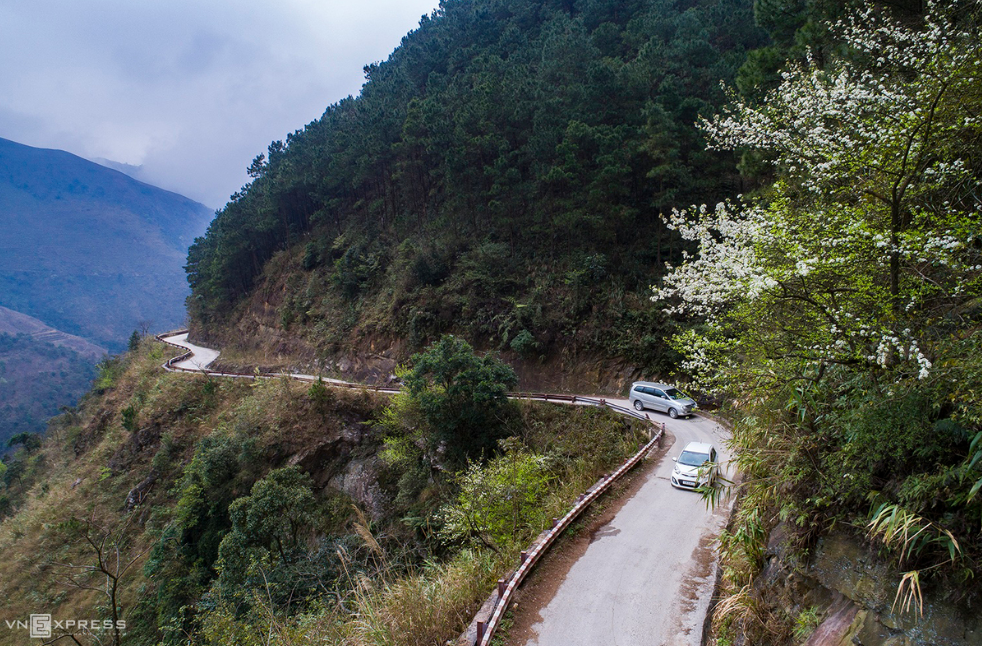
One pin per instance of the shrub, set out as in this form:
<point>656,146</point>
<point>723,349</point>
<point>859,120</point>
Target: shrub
<point>460,395</point>
<point>525,344</point>
<point>499,503</point>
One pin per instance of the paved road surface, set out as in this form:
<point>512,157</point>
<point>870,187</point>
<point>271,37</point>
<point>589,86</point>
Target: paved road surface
<point>201,358</point>
<point>647,577</point>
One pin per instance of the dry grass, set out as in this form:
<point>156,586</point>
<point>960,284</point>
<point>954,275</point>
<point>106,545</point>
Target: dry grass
<point>185,408</point>
<point>424,605</point>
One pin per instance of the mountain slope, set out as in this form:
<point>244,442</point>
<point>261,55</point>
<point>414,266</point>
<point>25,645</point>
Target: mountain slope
<point>37,378</point>
<point>41,370</point>
<point>14,323</point>
<point>499,177</point>
<point>89,250</point>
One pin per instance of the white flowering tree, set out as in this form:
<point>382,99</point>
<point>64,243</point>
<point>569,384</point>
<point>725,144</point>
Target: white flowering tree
<point>870,239</point>
<point>841,307</point>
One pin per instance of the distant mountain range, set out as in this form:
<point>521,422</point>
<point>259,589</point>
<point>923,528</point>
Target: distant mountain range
<point>41,370</point>
<point>89,250</point>
<point>14,323</point>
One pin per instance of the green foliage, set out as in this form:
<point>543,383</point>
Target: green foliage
<point>910,534</point>
<point>129,418</point>
<point>806,622</point>
<point>275,518</point>
<point>182,561</point>
<point>322,397</point>
<point>110,370</point>
<point>973,463</point>
<point>354,269</point>
<point>800,30</point>
<point>525,344</point>
<point>841,308</point>
<point>243,552</point>
<point>500,502</point>
<point>506,154</point>
<point>311,256</point>
<point>267,551</point>
<point>30,441</point>
<point>460,395</point>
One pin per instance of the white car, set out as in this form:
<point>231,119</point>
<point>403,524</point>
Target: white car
<point>696,466</point>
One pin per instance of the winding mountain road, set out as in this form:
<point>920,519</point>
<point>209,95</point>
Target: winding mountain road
<point>647,576</point>
<point>200,357</point>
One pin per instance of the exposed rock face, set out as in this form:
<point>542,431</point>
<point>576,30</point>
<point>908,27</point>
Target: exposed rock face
<point>848,567</point>
<point>374,360</point>
<point>345,459</point>
<point>839,627</point>
<point>360,481</point>
<point>854,593</point>
<point>139,492</point>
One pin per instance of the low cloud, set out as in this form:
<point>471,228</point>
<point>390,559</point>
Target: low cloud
<point>190,92</point>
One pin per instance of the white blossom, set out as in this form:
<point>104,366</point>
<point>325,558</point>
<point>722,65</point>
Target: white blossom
<point>827,252</point>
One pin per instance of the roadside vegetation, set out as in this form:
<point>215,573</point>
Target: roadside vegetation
<point>239,512</point>
<point>499,178</point>
<point>840,307</point>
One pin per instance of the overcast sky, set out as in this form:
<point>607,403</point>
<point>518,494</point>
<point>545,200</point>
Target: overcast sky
<point>191,90</point>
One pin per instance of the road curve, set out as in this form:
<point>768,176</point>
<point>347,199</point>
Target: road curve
<point>647,576</point>
<point>200,357</point>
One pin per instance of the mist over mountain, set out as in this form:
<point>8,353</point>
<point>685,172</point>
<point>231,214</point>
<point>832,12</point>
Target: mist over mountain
<point>90,250</point>
<point>133,170</point>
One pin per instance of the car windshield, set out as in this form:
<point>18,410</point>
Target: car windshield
<point>676,394</point>
<point>692,459</point>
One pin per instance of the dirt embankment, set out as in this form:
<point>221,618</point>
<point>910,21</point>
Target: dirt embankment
<point>256,340</point>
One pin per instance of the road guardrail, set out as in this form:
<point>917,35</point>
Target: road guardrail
<point>485,628</point>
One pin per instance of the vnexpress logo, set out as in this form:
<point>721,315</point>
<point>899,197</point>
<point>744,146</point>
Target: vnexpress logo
<point>43,626</point>
<point>40,626</point>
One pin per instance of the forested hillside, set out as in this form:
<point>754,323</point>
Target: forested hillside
<point>503,174</point>
<point>41,370</point>
<point>36,380</point>
<point>500,176</point>
<point>228,512</point>
<point>519,173</point>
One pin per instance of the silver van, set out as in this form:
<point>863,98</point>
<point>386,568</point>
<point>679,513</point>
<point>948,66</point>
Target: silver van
<point>661,397</point>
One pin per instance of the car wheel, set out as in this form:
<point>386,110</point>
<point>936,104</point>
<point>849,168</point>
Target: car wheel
<point>673,413</point>
<point>638,405</point>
